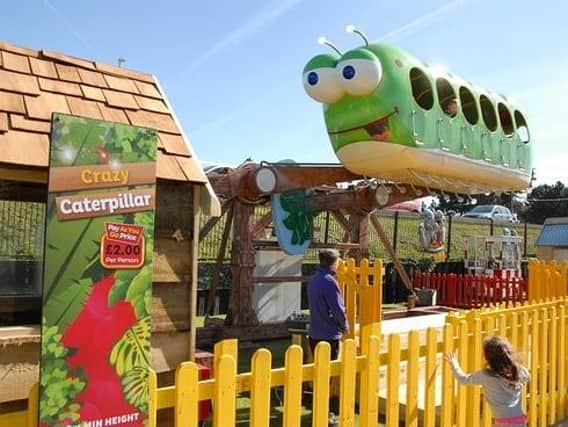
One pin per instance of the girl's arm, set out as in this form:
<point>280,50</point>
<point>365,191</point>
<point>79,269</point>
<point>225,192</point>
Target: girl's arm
<point>461,376</point>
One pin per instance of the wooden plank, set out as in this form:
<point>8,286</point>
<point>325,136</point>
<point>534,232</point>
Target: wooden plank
<point>43,68</point>
<point>24,148</point>
<point>340,218</point>
<point>447,378</point>
<point>68,59</point>
<point>212,222</point>
<point>430,379</point>
<point>186,395</point>
<point>225,392</point>
<point>281,279</point>
<point>23,174</point>
<point>260,388</point>
<point>219,262</point>
<point>461,416</point>
<point>412,371</point>
<point>12,102</point>
<point>348,375</point>
<point>261,224</point>
<point>387,244</point>
<point>320,406</point>
<point>293,386</point>
<point>3,122</point>
<point>393,381</point>
<point>267,244</point>
<point>194,271</point>
<point>14,62</point>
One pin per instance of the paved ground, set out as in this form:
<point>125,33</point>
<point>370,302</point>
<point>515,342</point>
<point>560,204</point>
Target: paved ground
<point>407,324</point>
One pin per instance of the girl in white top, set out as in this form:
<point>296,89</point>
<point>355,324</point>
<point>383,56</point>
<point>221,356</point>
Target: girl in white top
<point>502,381</point>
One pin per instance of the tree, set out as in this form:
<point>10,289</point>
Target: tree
<point>542,203</point>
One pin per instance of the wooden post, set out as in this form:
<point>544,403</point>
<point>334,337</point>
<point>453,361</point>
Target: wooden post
<point>194,255</point>
<point>218,265</point>
<point>387,244</point>
<point>359,233</point>
<point>241,312</point>
<point>212,222</point>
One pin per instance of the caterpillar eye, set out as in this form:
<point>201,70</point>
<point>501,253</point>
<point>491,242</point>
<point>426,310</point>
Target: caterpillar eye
<point>323,85</point>
<point>359,77</point>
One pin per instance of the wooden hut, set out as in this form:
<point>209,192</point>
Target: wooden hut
<point>552,243</point>
<point>33,85</point>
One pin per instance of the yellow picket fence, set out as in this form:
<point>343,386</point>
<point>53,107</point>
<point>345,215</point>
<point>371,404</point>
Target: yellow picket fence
<point>362,288</point>
<point>395,378</point>
<point>547,279</point>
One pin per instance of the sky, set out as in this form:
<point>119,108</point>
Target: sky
<point>233,69</point>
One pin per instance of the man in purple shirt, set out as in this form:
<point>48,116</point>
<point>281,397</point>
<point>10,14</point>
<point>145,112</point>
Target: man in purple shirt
<point>327,310</point>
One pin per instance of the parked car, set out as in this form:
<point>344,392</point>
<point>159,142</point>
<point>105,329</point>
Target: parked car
<point>497,213</point>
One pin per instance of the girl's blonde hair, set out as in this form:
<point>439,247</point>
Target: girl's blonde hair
<point>502,359</point>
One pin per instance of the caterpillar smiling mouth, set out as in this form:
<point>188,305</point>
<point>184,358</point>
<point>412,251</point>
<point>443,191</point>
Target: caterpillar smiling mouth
<point>377,129</point>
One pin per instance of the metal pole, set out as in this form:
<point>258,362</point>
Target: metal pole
<point>449,244</point>
<point>491,227</point>
<point>525,239</point>
<point>395,231</point>
<point>326,235</point>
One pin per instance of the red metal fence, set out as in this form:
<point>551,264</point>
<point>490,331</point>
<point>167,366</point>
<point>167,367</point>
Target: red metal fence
<point>467,291</point>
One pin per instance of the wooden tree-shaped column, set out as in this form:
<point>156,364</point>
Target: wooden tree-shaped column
<point>241,311</point>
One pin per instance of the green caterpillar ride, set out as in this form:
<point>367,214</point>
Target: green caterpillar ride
<point>391,116</point>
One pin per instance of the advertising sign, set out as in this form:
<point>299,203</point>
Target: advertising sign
<point>97,280</point>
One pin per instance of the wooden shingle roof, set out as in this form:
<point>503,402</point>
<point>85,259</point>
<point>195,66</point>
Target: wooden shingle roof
<point>35,84</point>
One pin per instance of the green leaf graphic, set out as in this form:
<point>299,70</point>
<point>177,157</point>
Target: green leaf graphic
<point>66,302</point>
<point>300,216</point>
<point>73,255</point>
<point>135,388</point>
<point>131,350</point>
<point>58,387</point>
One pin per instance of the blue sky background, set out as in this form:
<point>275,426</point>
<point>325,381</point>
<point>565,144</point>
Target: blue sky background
<point>232,69</point>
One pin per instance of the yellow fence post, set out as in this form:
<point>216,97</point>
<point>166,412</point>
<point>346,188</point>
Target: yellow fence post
<point>152,399</point>
<point>225,348</point>
<point>562,357</point>
<point>534,368</point>
<point>447,378</point>
<point>524,349</point>
<point>543,380</point>
<point>378,290</point>
<point>368,398</point>
<point>33,406</point>
<point>531,279</point>
<point>186,395</point>
<point>474,363</point>
<point>553,361</point>
<point>365,309</point>
<point>490,322</point>
<point>260,388</point>
<point>430,379</point>
<point>293,386</point>
<point>411,415</point>
<point>320,405</point>
<point>224,395</point>
<point>351,296</point>
<point>348,375</point>
<point>461,413</point>
<point>393,380</point>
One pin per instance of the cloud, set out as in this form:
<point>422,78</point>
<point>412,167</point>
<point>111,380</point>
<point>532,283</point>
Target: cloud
<point>246,30</point>
<point>421,22</point>
<point>230,116</point>
<point>264,18</point>
<point>67,24</point>
<point>550,167</point>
